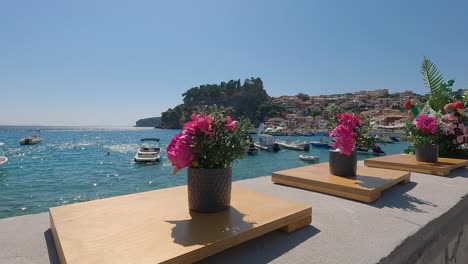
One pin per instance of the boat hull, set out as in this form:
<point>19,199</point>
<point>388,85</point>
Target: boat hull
<point>320,145</point>
<point>3,161</point>
<point>309,158</point>
<point>28,141</point>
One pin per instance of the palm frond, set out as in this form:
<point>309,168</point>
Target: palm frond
<point>438,95</point>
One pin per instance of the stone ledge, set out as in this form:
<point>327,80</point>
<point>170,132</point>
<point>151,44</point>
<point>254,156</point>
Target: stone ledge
<point>424,221</point>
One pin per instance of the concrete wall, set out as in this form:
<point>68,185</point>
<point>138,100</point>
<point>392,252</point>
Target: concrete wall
<point>443,241</point>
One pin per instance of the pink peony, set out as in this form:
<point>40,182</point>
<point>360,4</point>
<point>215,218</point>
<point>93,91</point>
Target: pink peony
<point>179,152</point>
<point>231,125</point>
<point>426,124</point>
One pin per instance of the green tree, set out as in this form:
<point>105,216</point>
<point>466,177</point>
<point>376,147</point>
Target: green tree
<point>244,99</point>
<point>333,109</point>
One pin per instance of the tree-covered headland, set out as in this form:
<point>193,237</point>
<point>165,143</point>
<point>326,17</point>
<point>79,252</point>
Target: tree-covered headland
<point>248,99</point>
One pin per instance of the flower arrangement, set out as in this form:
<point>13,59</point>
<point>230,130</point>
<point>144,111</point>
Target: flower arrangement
<point>424,129</point>
<point>211,140</point>
<point>454,128</point>
<point>346,132</point>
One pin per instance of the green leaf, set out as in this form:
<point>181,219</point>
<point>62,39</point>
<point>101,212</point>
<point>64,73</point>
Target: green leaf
<point>439,90</point>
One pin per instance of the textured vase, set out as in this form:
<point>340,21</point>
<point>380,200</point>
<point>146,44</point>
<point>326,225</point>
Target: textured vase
<point>341,164</point>
<point>427,153</point>
<point>209,190</point>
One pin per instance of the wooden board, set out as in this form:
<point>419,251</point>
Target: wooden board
<point>367,186</point>
<point>409,163</point>
<point>157,227</point>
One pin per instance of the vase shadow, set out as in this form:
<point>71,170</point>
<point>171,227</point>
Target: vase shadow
<point>206,228</point>
<point>263,249</point>
<point>397,197</point>
<point>369,181</point>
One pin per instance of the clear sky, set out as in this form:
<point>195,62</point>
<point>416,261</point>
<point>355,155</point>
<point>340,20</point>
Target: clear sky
<point>113,62</point>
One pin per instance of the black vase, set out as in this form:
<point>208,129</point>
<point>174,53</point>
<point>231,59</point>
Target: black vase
<point>427,153</point>
<point>209,190</point>
<point>341,164</point>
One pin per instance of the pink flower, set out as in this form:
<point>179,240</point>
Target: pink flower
<point>344,133</point>
<point>350,120</point>
<point>426,124</point>
<point>231,125</point>
<point>202,123</point>
<point>449,128</point>
<point>464,137</point>
<point>179,152</point>
<point>345,140</point>
<point>450,117</point>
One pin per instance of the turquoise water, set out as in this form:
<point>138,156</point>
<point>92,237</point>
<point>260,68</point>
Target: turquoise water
<point>71,165</point>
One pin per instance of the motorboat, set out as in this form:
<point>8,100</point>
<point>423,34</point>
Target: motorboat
<point>149,150</point>
<point>384,139</point>
<point>296,145</point>
<point>376,151</point>
<point>267,142</point>
<point>31,140</point>
<point>309,158</point>
<point>3,159</point>
<point>275,131</point>
<point>252,149</point>
<point>320,144</point>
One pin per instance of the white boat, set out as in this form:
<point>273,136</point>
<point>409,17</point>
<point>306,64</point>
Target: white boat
<point>384,139</point>
<point>309,158</point>
<point>320,144</point>
<point>267,143</point>
<point>3,159</point>
<point>31,140</point>
<point>149,151</point>
<point>296,145</point>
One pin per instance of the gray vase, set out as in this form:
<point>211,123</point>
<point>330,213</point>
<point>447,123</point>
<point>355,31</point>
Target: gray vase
<point>209,190</point>
<point>341,164</point>
<point>427,153</point>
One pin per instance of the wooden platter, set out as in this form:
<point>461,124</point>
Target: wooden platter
<point>157,227</point>
<point>367,186</point>
<point>409,163</point>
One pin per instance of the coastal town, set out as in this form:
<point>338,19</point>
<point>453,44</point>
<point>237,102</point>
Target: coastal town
<point>307,115</point>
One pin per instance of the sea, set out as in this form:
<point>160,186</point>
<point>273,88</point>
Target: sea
<point>77,164</point>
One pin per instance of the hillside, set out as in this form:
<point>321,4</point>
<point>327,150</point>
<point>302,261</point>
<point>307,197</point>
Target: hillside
<point>149,122</point>
<point>248,99</point>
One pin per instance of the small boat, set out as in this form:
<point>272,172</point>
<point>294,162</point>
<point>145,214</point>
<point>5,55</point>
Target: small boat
<point>384,139</point>
<point>267,143</point>
<point>320,144</point>
<point>149,151</point>
<point>252,150</point>
<point>297,145</point>
<point>377,151</point>
<point>309,158</point>
<point>31,140</point>
<point>3,159</point>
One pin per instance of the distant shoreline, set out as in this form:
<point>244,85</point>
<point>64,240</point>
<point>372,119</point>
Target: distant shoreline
<point>27,127</point>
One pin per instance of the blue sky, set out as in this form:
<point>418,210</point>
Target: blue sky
<point>113,62</point>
